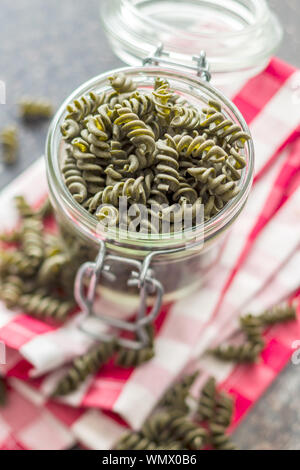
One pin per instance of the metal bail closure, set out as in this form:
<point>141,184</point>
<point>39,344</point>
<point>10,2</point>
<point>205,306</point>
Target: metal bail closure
<point>160,56</point>
<point>87,278</point>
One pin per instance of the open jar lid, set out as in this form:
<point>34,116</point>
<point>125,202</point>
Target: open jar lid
<point>238,36</point>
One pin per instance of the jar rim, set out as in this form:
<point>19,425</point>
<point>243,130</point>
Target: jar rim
<point>239,36</point>
<point>88,223</point>
<point>262,16</point>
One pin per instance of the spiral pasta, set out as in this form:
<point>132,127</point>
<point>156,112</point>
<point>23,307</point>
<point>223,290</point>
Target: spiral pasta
<point>181,156</point>
<point>219,439</point>
<point>162,99</point>
<point>193,437</point>
<point>9,143</point>
<point>278,314</point>
<point>11,291</point>
<point>82,367</point>
<point>175,428</point>
<point>121,83</point>
<point>84,106</point>
<point>70,129</point>
<point>140,104</point>
<point>51,268</point>
<point>184,117</point>
<point>16,262</point>
<point>136,130</point>
<point>134,441</point>
<point>246,352</point>
<point>23,208</point>
<point>31,108</point>
<point>223,410</point>
<point>74,179</point>
<point>134,358</point>
<point>252,328</point>
<point>175,397</point>
<point>217,124</point>
<point>46,307</point>
<point>32,240</point>
<point>207,400</point>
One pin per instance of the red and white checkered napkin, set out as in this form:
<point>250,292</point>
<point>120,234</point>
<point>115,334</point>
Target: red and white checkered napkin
<point>257,269</point>
<point>26,426</point>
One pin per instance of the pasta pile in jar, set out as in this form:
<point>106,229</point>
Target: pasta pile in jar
<point>155,149</point>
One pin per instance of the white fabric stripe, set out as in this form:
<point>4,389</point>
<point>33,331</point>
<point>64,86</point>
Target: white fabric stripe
<point>277,242</point>
<point>170,354</point>
<point>240,293</point>
<point>27,391</point>
<point>51,350</point>
<point>232,89</point>
<point>251,212</point>
<point>97,431</point>
<point>46,433</point>
<point>275,122</point>
<point>134,403</point>
<point>284,284</point>
<point>93,429</point>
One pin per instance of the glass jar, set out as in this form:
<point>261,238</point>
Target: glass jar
<point>239,36</point>
<point>185,263</point>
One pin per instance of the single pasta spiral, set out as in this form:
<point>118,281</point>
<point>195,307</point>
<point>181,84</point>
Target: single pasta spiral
<point>9,142</point>
<point>135,129</point>
<point>82,367</point>
<point>74,179</point>
<point>45,307</point>
<point>84,106</point>
<point>162,96</point>
<point>121,83</point>
<point>167,176</point>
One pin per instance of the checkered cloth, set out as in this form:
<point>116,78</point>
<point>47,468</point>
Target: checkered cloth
<point>257,269</point>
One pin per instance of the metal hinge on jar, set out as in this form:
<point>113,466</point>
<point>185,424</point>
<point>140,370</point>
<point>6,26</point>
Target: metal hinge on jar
<point>142,277</point>
<point>160,56</point>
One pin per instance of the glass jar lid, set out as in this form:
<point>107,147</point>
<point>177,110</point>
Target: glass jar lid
<point>238,36</point>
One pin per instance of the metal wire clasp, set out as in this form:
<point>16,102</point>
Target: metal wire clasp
<point>160,56</point>
<point>87,278</point>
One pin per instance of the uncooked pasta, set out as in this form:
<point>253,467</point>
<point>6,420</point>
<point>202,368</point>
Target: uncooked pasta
<point>10,144</point>
<point>154,149</point>
<point>35,108</point>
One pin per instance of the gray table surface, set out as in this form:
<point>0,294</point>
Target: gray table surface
<point>48,49</point>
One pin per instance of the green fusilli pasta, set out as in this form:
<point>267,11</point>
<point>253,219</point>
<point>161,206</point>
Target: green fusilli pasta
<point>175,397</point>
<point>246,352</point>
<point>278,314</point>
<point>154,148</point>
<point>10,144</point>
<point>46,307</point>
<point>84,366</point>
<point>32,108</point>
<point>207,400</point>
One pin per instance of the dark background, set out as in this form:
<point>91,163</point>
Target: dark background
<point>48,48</point>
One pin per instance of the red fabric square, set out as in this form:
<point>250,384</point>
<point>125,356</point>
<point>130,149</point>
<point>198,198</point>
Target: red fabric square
<point>276,355</point>
<point>250,380</point>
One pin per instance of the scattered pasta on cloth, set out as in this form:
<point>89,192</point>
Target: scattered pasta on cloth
<point>99,412</point>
